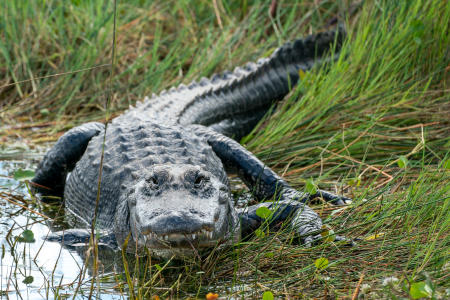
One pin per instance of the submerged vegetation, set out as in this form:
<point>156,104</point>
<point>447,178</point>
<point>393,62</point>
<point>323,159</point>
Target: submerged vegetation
<point>373,125</point>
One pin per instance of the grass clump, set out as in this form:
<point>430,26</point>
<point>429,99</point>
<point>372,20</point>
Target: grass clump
<point>372,125</point>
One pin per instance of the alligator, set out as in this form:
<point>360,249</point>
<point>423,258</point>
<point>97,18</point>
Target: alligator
<point>163,164</point>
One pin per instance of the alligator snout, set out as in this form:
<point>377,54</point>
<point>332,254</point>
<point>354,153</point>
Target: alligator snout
<point>177,223</point>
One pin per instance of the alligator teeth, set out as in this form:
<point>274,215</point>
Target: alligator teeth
<point>176,236</point>
<point>208,234</point>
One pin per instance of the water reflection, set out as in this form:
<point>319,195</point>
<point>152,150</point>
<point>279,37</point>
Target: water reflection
<point>39,269</point>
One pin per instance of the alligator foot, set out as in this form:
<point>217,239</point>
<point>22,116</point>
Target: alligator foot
<point>332,198</point>
<point>293,194</point>
<point>73,238</point>
<point>346,241</point>
<point>314,240</point>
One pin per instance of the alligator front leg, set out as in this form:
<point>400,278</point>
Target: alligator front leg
<point>51,173</point>
<point>266,184</point>
<point>261,180</point>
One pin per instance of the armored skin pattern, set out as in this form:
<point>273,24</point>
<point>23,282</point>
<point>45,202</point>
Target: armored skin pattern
<point>164,181</point>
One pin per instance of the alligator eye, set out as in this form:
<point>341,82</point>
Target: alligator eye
<point>153,182</point>
<point>200,181</point>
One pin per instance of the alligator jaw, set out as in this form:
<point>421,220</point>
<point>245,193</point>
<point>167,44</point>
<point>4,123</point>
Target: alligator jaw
<point>176,237</point>
<point>201,239</point>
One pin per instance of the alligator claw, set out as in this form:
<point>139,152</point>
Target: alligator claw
<point>348,242</point>
<point>342,201</point>
<point>314,240</point>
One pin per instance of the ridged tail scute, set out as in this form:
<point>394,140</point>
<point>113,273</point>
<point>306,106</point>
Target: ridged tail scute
<point>259,85</point>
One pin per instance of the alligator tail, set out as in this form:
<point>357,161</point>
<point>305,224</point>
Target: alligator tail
<point>252,89</point>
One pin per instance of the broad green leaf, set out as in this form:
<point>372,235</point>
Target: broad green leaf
<point>402,162</point>
<point>158,267</point>
<point>328,233</point>
<point>311,187</point>
<point>354,182</point>
<point>27,236</point>
<point>45,112</point>
<point>259,233</point>
<point>22,175</point>
<point>269,254</point>
<point>420,290</point>
<point>267,295</point>
<point>263,212</point>
<point>321,263</point>
<point>374,236</point>
<point>446,164</point>
<point>302,74</point>
<point>28,280</point>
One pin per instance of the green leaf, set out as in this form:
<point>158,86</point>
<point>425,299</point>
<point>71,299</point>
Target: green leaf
<point>28,280</point>
<point>22,175</point>
<point>267,295</point>
<point>269,254</point>
<point>27,236</point>
<point>158,267</point>
<point>446,164</point>
<point>301,74</point>
<point>328,233</point>
<point>321,263</point>
<point>259,233</point>
<point>418,27</point>
<point>311,187</point>
<point>263,212</point>
<point>402,162</point>
<point>45,112</point>
<point>354,181</point>
<point>420,290</point>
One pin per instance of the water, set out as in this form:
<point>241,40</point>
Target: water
<point>38,269</point>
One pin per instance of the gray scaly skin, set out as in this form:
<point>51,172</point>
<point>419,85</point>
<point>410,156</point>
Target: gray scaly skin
<point>164,183</point>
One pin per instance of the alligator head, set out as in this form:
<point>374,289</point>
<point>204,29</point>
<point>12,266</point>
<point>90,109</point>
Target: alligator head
<point>176,208</point>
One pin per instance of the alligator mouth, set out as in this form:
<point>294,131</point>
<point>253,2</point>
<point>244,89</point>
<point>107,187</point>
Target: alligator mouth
<point>201,238</point>
<point>201,234</point>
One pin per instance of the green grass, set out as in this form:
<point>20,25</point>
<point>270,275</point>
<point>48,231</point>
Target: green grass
<point>349,126</point>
